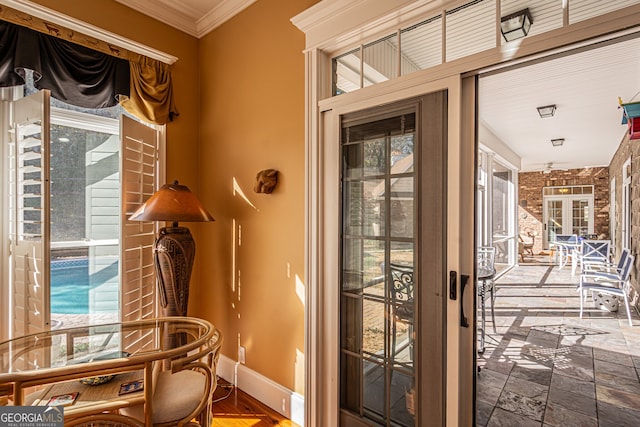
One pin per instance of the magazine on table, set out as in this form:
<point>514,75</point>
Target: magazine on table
<point>63,399</point>
<point>131,387</point>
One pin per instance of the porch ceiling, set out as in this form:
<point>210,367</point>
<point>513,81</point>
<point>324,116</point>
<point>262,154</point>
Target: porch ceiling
<point>584,86</point>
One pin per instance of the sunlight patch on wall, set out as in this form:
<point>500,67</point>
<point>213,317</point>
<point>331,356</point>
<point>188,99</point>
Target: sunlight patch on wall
<point>238,191</point>
<point>300,289</point>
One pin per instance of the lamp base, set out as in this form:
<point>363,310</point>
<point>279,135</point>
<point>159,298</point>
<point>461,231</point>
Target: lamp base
<point>174,251</point>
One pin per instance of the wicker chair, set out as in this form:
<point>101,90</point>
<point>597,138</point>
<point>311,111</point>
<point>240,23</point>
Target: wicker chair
<point>182,396</point>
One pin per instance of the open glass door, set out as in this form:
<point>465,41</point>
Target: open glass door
<point>393,266</point>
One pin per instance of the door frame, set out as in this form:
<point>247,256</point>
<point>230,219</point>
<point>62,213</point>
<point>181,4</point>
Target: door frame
<point>566,213</point>
<point>334,26</point>
<point>324,262</point>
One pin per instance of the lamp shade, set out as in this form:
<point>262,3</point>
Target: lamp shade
<point>172,202</point>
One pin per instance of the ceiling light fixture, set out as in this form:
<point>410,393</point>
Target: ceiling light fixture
<point>546,111</point>
<point>516,25</point>
<point>557,142</point>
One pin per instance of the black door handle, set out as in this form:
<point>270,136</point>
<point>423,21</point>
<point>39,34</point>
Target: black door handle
<point>464,281</point>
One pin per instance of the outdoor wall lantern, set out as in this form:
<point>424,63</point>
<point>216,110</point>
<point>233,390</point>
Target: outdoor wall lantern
<point>546,111</point>
<point>516,25</point>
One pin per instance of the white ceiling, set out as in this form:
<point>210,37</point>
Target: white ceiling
<point>585,87</point>
<point>194,17</point>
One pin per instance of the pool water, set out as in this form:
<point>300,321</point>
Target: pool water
<point>71,286</point>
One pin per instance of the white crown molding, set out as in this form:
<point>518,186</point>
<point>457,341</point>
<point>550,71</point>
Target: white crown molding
<point>56,17</point>
<point>169,15</point>
<point>220,14</point>
<point>346,22</point>
<point>187,19</point>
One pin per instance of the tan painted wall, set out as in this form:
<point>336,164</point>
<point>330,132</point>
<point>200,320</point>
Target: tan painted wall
<point>252,107</point>
<point>245,114</point>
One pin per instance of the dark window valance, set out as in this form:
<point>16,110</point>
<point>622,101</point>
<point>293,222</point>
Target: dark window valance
<point>74,74</point>
<point>80,75</point>
<point>8,43</point>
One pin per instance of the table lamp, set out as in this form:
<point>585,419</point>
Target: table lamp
<point>174,249</point>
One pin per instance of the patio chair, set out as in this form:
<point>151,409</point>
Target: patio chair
<point>615,287</point>
<point>564,244</point>
<point>607,269</point>
<point>591,251</point>
<point>527,246</point>
<point>403,307</point>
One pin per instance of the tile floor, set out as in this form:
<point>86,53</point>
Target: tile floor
<point>544,366</point>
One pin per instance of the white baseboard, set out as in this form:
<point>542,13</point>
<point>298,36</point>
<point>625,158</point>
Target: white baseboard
<point>272,394</point>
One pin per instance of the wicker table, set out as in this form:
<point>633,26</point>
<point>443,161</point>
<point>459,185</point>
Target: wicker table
<point>53,362</point>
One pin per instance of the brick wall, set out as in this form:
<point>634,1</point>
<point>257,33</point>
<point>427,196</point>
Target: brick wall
<point>530,185</point>
<point>628,149</point>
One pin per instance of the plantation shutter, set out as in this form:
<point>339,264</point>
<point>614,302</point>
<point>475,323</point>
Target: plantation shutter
<point>139,176</point>
<point>29,214</point>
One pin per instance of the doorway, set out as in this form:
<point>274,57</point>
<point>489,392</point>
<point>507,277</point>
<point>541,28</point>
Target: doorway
<point>568,210</point>
<point>536,344</point>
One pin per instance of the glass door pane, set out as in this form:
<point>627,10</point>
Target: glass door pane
<point>554,219</point>
<point>378,258</point>
<point>580,217</point>
<point>393,278</point>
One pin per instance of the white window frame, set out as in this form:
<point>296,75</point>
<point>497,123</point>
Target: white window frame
<point>626,204</point>
<point>613,224</point>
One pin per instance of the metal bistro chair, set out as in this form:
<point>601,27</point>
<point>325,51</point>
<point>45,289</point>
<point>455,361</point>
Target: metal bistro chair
<point>403,307</point>
<point>486,272</point>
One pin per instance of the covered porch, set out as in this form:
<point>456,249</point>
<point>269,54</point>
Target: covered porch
<point>543,365</point>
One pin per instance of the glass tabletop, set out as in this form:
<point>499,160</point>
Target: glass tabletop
<point>140,340</point>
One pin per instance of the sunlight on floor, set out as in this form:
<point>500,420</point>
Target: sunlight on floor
<point>235,420</point>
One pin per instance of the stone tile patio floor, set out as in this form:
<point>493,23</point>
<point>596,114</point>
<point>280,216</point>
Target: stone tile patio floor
<point>544,366</point>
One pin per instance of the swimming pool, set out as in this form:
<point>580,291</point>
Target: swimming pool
<point>72,287</point>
